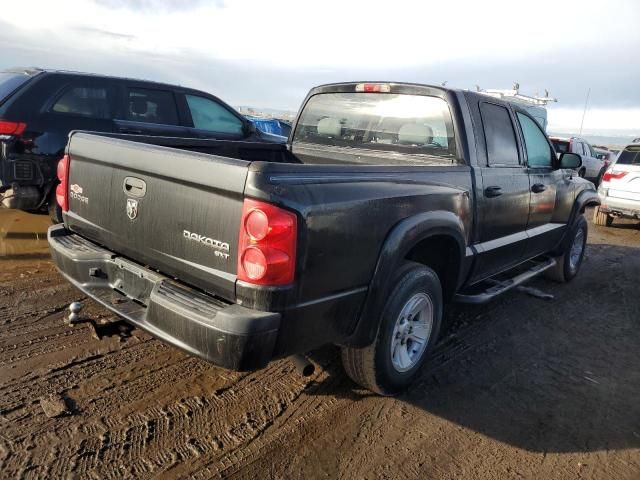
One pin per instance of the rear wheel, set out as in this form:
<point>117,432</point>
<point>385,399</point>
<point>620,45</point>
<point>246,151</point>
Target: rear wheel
<point>602,218</point>
<point>409,326</point>
<point>568,264</point>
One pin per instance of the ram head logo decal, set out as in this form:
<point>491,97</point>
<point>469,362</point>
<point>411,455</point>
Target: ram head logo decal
<point>132,208</point>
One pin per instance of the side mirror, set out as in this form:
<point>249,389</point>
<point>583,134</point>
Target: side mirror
<point>571,161</point>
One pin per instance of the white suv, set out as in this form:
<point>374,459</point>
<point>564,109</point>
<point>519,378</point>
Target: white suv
<point>620,188</point>
<point>592,167</point>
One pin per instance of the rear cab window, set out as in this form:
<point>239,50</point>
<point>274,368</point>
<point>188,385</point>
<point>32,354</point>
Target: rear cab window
<point>149,105</point>
<point>376,128</point>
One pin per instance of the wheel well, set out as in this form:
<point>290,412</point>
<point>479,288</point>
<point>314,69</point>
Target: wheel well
<point>442,254</point>
<point>591,203</point>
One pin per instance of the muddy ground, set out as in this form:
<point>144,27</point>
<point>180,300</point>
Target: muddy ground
<point>519,388</point>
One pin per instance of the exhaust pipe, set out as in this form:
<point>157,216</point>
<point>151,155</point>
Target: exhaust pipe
<point>304,366</point>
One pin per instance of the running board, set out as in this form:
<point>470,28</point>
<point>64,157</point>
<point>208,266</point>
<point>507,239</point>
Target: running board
<point>498,287</point>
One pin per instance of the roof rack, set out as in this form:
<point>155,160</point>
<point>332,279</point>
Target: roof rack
<point>515,95</point>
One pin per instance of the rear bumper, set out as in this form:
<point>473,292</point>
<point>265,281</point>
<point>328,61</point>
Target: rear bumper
<point>227,335</point>
<point>620,206</point>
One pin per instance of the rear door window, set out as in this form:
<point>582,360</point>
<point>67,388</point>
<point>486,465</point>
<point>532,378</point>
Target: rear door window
<point>536,145</point>
<point>581,149</point>
<point>151,106</point>
<point>502,149</point>
<point>90,102</point>
<point>211,116</point>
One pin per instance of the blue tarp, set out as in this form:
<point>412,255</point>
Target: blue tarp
<point>271,125</point>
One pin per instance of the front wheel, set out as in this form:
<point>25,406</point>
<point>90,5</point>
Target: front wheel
<point>409,326</point>
<point>569,262</point>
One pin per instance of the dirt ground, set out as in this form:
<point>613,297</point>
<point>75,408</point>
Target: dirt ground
<point>519,388</point>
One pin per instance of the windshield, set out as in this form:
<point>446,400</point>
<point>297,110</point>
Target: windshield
<point>9,82</point>
<point>630,156</point>
<point>392,124</point>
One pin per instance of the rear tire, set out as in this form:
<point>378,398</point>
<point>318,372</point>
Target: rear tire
<point>569,262</point>
<point>408,328</point>
<point>602,218</point>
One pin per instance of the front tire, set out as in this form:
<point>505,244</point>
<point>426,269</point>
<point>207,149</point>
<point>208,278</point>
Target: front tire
<point>569,262</point>
<point>409,326</point>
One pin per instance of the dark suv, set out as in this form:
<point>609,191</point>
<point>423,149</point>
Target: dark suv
<point>38,109</point>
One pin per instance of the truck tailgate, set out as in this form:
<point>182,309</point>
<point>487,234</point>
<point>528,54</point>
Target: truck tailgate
<point>154,204</point>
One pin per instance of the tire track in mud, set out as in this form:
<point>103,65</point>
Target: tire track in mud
<point>225,433</point>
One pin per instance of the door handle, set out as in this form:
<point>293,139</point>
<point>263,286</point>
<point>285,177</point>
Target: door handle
<point>538,187</point>
<point>493,191</point>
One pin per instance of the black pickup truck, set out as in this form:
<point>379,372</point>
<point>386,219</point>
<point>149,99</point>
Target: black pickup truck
<point>390,200</point>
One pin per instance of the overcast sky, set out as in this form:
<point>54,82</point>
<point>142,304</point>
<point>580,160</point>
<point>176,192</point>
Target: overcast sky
<point>268,53</point>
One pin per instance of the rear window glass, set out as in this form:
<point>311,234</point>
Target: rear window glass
<point>88,102</point>
<point>152,106</point>
<point>560,146</point>
<point>391,128</point>
<point>9,82</point>
<point>630,156</point>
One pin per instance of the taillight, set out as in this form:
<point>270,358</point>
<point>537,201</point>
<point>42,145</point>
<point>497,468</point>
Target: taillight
<point>613,175</point>
<point>12,128</point>
<point>267,244</point>
<point>62,190</point>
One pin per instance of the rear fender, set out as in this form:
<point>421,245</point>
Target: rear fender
<point>399,242</point>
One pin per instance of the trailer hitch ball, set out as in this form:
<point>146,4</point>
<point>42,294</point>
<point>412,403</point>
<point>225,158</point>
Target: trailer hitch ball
<point>74,313</point>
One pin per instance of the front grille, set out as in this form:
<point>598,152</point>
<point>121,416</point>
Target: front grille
<point>23,171</point>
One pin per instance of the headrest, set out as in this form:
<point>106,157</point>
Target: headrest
<point>138,106</point>
<point>414,134</point>
<point>329,127</point>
